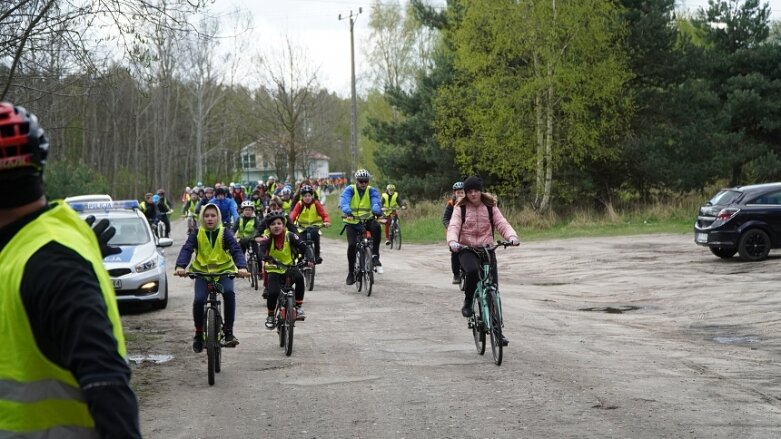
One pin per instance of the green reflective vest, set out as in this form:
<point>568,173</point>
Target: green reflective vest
<point>361,206</point>
<point>37,397</point>
<point>308,215</point>
<point>246,227</point>
<point>212,258</point>
<point>283,255</point>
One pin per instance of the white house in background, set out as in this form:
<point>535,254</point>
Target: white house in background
<point>257,164</point>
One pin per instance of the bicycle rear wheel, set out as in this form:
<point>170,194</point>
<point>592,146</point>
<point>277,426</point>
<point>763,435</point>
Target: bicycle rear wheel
<point>289,323</point>
<point>368,271</point>
<point>211,342</point>
<point>495,314</point>
<point>397,235</point>
<point>478,328</point>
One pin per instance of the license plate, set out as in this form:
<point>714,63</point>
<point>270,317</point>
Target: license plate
<point>702,237</point>
<point>117,283</point>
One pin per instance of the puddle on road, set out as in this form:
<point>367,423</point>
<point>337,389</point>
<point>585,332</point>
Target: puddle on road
<point>152,358</point>
<point>734,339</point>
<point>620,309</point>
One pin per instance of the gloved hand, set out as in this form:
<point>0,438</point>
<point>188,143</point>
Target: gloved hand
<point>515,241</point>
<point>454,247</point>
<point>104,231</point>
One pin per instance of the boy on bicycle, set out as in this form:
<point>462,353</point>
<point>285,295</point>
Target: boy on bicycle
<point>246,227</point>
<point>284,247</point>
<point>473,222</point>
<point>309,211</point>
<point>390,202</point>
<point>215,252</point>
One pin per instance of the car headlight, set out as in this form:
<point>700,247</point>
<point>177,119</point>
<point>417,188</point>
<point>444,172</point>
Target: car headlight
<point>146,266</point>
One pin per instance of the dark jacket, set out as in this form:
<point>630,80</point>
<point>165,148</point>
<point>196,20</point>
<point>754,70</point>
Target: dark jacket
<point>448,213</point>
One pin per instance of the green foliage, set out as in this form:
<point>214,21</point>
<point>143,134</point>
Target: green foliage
<point>63,179</point>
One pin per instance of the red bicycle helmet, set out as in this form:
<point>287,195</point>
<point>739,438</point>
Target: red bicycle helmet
<point>23,145</point>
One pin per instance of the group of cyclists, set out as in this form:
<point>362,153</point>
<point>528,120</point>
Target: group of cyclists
<point>269,223</point>
<point>156,208</point>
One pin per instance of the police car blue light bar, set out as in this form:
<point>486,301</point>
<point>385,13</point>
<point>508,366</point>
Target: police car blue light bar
<point>105,205</point>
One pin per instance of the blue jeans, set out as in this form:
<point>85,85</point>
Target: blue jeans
<point>201,295</point>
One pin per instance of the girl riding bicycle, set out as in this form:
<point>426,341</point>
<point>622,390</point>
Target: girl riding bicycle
<point>309,211</point>
<point>283,247</point>
<point>215,251</point>
<point>473,222</point>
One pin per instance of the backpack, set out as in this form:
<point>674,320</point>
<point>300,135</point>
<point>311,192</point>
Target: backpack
<point>490,216</point>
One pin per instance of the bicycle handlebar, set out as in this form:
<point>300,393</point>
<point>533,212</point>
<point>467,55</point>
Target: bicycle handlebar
<point>488,247</point>
<point>271,260</point>
<point>207,276</point>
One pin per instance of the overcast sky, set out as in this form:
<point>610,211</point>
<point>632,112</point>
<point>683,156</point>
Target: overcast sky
<point>313,25</point>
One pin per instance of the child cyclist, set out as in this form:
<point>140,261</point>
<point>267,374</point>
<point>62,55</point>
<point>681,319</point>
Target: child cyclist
<point>309,211</point>
<point>215,252</point>
<point>246,227</point>
<point>284,247</point>
<point>458,193</point>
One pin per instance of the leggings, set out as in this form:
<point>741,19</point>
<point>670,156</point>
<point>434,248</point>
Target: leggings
<point>471,265</point>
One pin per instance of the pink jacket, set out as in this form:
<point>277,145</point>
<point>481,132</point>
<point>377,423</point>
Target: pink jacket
<point>476,230</point>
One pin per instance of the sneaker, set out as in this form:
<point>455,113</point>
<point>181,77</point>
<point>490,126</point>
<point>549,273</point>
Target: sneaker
<point>350,278</point>
<point>230,341</point>
<point>300,313</point>
<point>198,342</point>
<point>456,279</point>
<point>318,260</point>
<point>265,293</point>
<point>505,342</point>
<point>467,310</point>
<point>387,242</point>
<point>270,322</point>
<point>378,269</point>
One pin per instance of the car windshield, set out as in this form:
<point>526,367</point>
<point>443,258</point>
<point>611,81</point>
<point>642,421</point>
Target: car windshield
<point>130,231</point>
<point>725,197</point>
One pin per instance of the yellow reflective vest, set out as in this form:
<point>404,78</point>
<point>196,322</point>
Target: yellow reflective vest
<point>308,215</point>
<point>390,201</point>
<point>283,255</point>
<point>37,397</point>
<point>212,258</point>
<point>361,206</point>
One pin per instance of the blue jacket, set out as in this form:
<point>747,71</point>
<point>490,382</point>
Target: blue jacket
<point>228,242</point>
<point>347,196</point>
<point>228,209</point>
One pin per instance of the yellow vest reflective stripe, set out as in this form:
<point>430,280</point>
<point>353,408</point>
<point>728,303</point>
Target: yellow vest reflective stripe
<point>283,255</point>
<point>308,215</point>
<point>212,258</point>
<point>247,230</point>
<point>391,202</point>
<point>39,399</point>
<point>361,207</point>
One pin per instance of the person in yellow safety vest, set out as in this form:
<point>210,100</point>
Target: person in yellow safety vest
<point>63,368</point>
<point>216,251</point>
<point>390,202</point>
<point>283,246</point>
<point>359,202</point>
<point>308,212</point>
<point>246,227</point>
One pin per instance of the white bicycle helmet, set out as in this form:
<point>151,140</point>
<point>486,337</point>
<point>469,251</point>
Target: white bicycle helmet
<point>249,204</point>
<point>362,174</point>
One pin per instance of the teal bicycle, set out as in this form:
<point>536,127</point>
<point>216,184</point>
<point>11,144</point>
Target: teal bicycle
<point>487,320</point>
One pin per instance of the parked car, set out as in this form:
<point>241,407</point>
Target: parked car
<point>139,271</point>
<point>743,219</point>
<point>88,198</point>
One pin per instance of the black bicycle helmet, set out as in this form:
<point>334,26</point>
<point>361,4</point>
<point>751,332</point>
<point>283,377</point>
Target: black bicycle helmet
<point>274,216</point>
<point>306,189</point>
<point>458,185</point>
<point>220,191</point>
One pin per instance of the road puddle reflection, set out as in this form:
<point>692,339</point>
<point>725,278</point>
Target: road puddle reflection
<point>611,309</point>
<point>152,358</point>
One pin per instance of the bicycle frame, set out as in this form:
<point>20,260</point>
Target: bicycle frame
<point>214,331</point>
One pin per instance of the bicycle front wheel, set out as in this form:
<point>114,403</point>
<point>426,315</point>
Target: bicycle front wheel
<point>478,328</point>
<point>253,273</point>
<point>368,271</point>
<point>495,314</point>
<point>218,345</point>
<point>358,269</point>
<point>211,342</point>
<point>309,278</point>
<point>289,323</point>
<point>396,235</point>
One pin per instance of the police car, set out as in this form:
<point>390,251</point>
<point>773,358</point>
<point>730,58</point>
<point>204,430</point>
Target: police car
<point>138,272</point>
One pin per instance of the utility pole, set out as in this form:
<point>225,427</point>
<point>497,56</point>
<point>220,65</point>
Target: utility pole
<point>354,121</point>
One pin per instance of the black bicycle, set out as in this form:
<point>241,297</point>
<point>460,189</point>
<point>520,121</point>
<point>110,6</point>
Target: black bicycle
<point>306,233</point>
<point>285,314</point>
<point>394,231</point>
<point>212,318</point>
<point>253,266</point>
<point>487,303</point>
<point>363,270</point>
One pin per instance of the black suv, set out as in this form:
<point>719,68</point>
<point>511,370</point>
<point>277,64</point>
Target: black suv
<point>742,219</point>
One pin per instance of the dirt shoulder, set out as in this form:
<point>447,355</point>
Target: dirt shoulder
<point>689,351</point>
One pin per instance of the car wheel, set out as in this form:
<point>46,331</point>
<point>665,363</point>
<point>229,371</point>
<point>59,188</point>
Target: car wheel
<point>723,252</point>
<point>754,245</point>
<point>163,304</point>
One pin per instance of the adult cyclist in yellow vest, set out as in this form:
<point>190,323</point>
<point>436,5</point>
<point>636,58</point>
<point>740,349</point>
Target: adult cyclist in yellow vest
<point>63,366</point>
<point>284,246</point>
<point>216,251</point>
<point>390,202</point>
<point>307,212</point>
<point>360,201</point>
